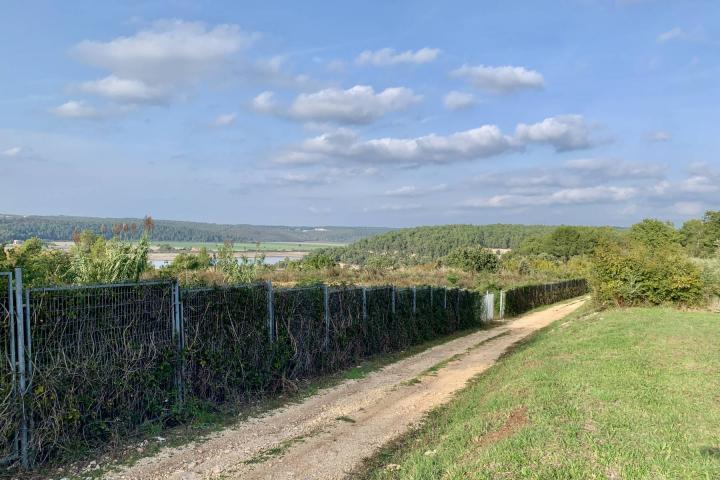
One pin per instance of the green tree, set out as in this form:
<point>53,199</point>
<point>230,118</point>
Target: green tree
<point>633,273</point>
<point>190,261</point>
<point>473,259</point>
<point>40,265</point>
<point>691,237</point>
<point>654,234</point>
<point>711,232</point>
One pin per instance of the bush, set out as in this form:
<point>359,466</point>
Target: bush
<point>655,234</point>
<point>633,273</point>
<point>473,259</point>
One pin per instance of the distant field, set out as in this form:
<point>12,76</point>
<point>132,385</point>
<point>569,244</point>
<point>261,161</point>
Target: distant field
<point>616,394</point>
<point>251,247</point>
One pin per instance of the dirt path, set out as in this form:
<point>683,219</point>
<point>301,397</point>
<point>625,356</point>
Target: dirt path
<point>330,433</point>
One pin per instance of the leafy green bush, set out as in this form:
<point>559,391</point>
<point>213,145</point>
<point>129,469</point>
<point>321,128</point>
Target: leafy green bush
<point>473,259</point>
<point>655,234</point>
<point>632,273</point>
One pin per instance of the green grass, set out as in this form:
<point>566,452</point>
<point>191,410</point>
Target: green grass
<point>252,247</point>
<point>622,394</point>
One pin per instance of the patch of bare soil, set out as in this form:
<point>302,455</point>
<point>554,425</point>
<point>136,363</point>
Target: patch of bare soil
<point>518,418</point>
<point>329,434</point>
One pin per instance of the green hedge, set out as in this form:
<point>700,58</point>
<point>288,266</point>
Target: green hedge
<point>521,299</point>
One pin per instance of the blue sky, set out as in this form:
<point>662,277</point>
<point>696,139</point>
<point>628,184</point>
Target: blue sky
<point>364,113</point>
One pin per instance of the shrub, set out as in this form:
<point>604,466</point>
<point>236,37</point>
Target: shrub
<point>655,233</point>
<point>474,259</point>
<point>633,273</point>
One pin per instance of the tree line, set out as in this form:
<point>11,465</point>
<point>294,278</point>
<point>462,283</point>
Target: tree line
<point>62,228</point>
<point>413,246</point>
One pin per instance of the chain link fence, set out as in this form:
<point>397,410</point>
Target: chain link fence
<point>92,364</point>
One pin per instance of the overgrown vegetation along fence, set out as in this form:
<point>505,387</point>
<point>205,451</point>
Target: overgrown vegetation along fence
<point>521,299</point>
<point>99,362</point>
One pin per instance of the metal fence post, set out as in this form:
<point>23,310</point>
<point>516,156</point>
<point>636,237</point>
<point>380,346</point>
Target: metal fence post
<point>271,311</point>
<point>445,299</point>
<point>431,300</point>
<point>21,364</point>
<point>392,294</point>
<point>414,300</point>
<point>326,310</point>
<point>364,305</point>
<point>178,334</point>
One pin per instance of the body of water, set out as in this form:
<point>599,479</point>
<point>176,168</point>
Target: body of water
<point>269,260</point>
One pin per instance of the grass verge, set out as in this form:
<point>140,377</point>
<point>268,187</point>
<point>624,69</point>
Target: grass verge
<point>632,393</point>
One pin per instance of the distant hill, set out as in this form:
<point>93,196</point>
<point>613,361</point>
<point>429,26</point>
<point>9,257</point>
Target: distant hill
<point>19,227</point>
<point>425,244</point>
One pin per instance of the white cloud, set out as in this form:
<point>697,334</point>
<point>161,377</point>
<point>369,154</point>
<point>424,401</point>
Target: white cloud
<point>11,152</point>
<point>224,120</point>
<point>505,79</point>
<point>302,179</point>
<point>394,207</point>
<point>414,191</point>
<point>170,57</point>
<point>357,105</point>
<point>672,34</point>
<point>455,100</point>
<point>319,210</point>
<point>607,168</point>
<point>700,184</point>
<point>481,142</point>
<point>126,90</point>
<point>168,52</point>
<point>75,109</point>
<point>265,103</point>
<point>388,56</point>
<point>564,132</point>
<point>659,136</point>
<point>567,196</point>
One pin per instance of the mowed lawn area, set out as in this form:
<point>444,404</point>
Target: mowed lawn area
<point>620,394</point>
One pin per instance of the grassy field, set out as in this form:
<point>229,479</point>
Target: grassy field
<point>622,394</point>
<point>251,247</point>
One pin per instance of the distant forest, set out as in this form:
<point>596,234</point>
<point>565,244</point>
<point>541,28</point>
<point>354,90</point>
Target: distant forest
<point>425,244</point>
<point>61,228</point>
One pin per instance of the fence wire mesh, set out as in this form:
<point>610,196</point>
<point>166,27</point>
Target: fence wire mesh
<point>379,306</point>
<point>102,362</point>
<point>347,328</point>
<point>227,349</point>
<point>9,405</point>
<point>300,333</point>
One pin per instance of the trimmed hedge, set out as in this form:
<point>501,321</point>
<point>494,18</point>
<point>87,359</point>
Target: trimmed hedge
<point>521,299</point>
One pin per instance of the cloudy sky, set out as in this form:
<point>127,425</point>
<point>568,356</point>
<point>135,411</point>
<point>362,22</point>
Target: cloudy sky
<point>365,113</point>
